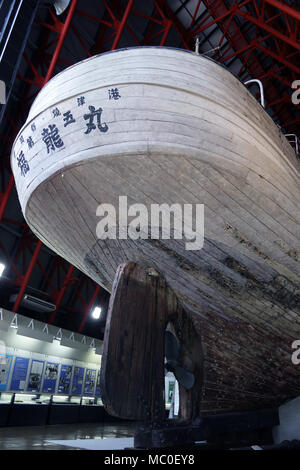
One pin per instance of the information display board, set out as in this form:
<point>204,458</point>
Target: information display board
<point>22,370</point>
<point>171,391</point>
<point>90,381</point>
<point>65,379</point>
<point>19,375</point>
<point>77,382</point>
<point>97,392</point>
<point>5,365</point>
<point>50,377</point>
<point>35,376</point>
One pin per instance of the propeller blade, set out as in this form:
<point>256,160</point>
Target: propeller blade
<point>184,377</point>
<point>172,353</point>
<point>172,346</point>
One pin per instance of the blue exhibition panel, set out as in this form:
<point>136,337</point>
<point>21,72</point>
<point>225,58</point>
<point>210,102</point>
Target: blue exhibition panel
<point>77,382</point>
<point>5,366</point>
<point>50,377</point>
<point>64,383</point>
<point>90,381</point>
<point>19,374</point>
<point>97,392</point>
<point>35,376</point>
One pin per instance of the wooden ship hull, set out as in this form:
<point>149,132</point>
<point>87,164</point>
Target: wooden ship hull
<point>175,127</point>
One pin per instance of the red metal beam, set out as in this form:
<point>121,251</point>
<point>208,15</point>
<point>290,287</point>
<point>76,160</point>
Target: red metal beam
<point>195,14</point>
<point>5,196</point>
<point>279,58</point>
<point>27,276</point>
<point>121,25</point>
<point>53,63</point>
<point>263,25</point>
<point>168,14</point>
<point>295,13</point>
<point>260,21</point>
<point>84,46</point>
<point>23,280</point>
<point>89,308</point>
<point>239,43</point>
<point>77,295</point>
<point>62,37</point>
<point>61,293</point>
<point>28,244</point>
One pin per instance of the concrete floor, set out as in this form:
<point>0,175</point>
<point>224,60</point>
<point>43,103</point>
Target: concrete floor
<point>38,437</point>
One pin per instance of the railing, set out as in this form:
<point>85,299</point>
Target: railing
<point>261,88</point>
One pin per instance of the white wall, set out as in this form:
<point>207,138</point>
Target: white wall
<point>15,340</point>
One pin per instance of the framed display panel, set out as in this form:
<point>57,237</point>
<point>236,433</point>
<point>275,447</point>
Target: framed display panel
<point>98,390</point>
<point>90,381</point>
<point>77,382</point>
<point>64,384</point>
<point>5,366</point>
<point>50,377</point>
<point>35,376</point>
<point>19,374</point>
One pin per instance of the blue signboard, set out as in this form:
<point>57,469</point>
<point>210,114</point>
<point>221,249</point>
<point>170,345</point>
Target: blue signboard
<point>90,380</point>
<point>5,365</point>
<point>65,379</point>
<point>19,374</point>
<point>50,377</point>
<point>97,392</point>
<point>35,376</point>
<point>77,380</point>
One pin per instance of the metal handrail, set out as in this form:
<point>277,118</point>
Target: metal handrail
<point>262,95</point>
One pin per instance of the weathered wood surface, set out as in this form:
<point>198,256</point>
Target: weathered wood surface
<point>132,367</point>
<point>184,130</point>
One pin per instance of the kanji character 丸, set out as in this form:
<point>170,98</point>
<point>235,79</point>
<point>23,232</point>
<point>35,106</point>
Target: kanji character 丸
<point>91,116</point>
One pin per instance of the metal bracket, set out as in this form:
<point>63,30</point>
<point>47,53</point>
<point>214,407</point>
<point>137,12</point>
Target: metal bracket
<point>296,141</point>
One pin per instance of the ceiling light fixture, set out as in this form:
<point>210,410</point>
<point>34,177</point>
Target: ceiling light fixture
<point>2,267</point>
<point>96,313</point>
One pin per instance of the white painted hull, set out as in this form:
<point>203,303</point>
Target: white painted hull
<point>183,130</point>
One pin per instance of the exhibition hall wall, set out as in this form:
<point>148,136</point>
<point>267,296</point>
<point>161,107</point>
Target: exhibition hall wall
<point>40,358</point>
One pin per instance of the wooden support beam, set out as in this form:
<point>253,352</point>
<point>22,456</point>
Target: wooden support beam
<point>132,373</point>
<point>224,430</point>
